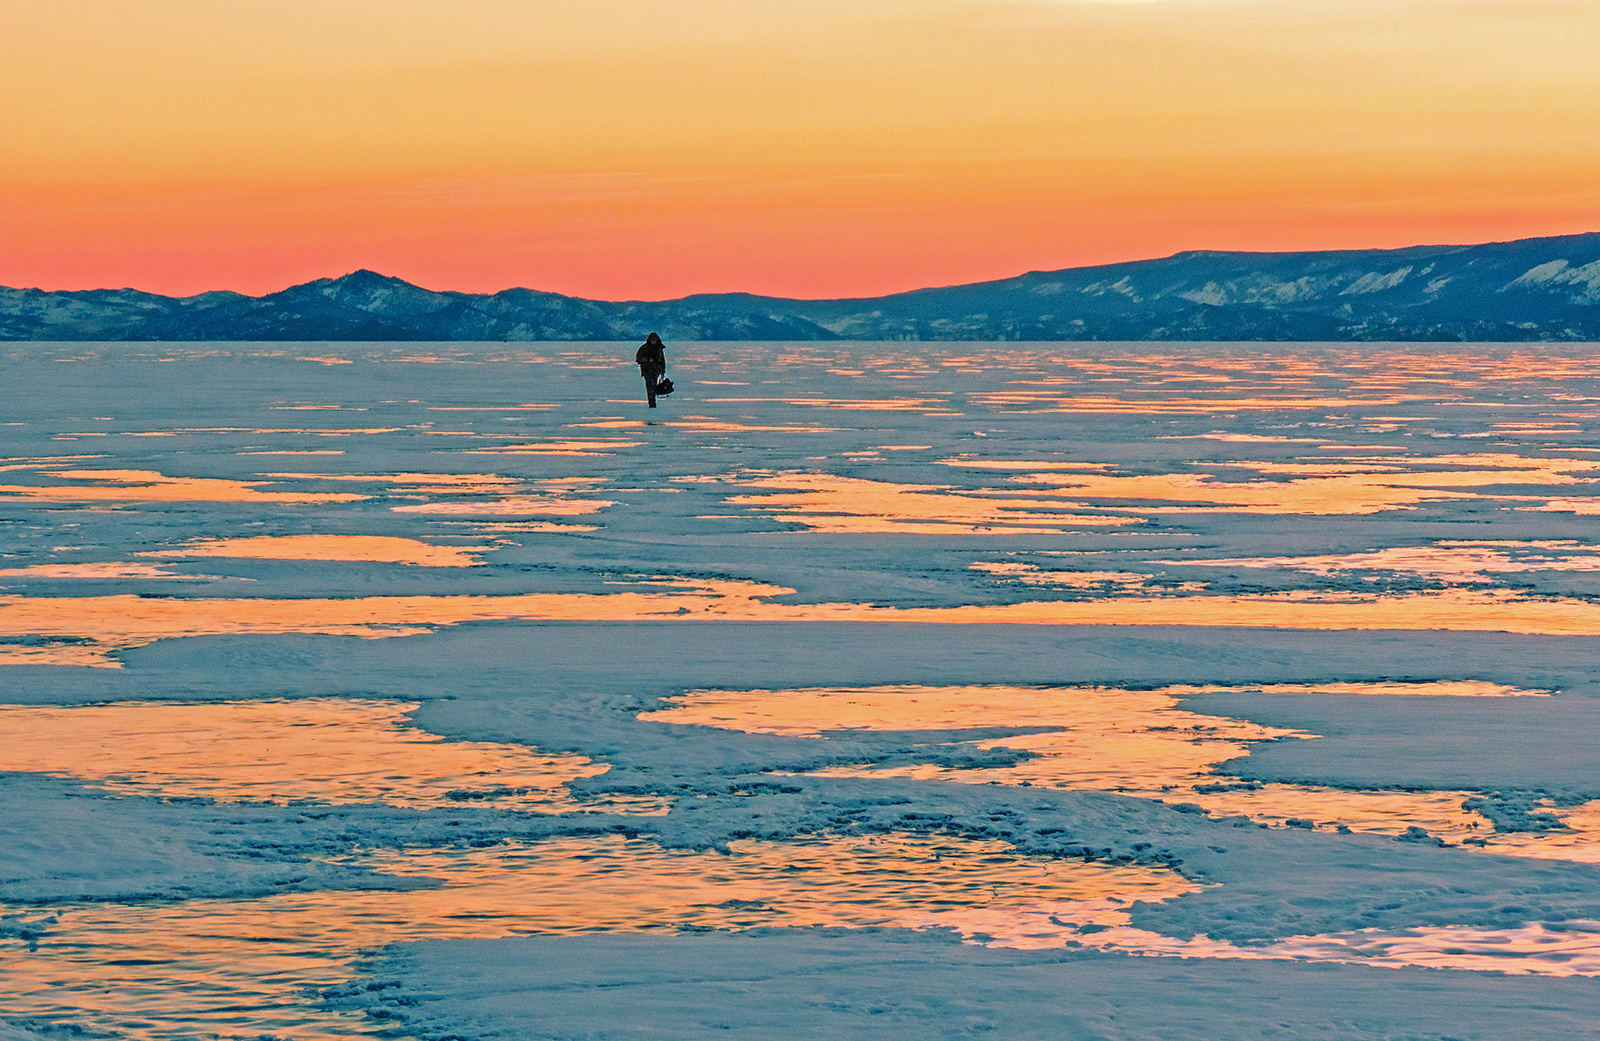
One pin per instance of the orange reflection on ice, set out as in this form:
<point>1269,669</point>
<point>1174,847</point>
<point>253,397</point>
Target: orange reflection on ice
<point>161,970</point>
<point>1312,496</point>
<point>491,408</point>
<point>458,484</point>
<point>563,448</point>
<point>1346,487</point>
<point>150,486</point>
<point>707,423</point>
<point>1455,610</point>
<point>1033,575</point>
<point>1461,560</point>
<point>324,750</point>
<point>852,404</point>
<point>721,425</point>
<point>1039,401</point>
<point>1320,808</point>
<point>83,630</point>
<point>1249,439</point>
<point>1101,738</point>
<point>312,431</point>
<point>493,527</point>
<point>374,548</point>
<point>1581,507</point>
<point>1137,742</point>
<point>910,881</point>
<point>828,503</point>
<point>1578,838</point>
<point>91,571</point>
<point>512,506</point>
<point>422,485</point>
<point>1475,470</point>
<point>23,462</point>
<point>1379,688</point>
<point>1021,464</point>
<point>1569,949</point>
<point>318,451</point>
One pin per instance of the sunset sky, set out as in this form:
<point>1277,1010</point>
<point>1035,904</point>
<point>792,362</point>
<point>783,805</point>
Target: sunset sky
<point>629,149</point>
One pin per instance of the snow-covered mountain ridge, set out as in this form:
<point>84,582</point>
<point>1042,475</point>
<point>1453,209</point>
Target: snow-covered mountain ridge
<point>1530,289</point>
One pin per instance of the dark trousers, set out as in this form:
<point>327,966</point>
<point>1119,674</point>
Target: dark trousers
<point>650,378</point>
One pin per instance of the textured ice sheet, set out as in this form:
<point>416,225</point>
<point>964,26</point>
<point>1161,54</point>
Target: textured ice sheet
<point>536,462</point>
<point>62,844</point>
<point>18,1032</point>
<point>893,984</point>
<point>1277,883</point>
<point>1489,744</point>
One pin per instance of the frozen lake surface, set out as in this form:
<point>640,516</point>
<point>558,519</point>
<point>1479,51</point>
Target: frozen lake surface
<point>862,690</point>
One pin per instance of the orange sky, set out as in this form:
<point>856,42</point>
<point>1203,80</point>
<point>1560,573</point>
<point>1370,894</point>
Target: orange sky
<point>628,149</point>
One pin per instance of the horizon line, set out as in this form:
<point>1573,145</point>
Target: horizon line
<point>820,299</point>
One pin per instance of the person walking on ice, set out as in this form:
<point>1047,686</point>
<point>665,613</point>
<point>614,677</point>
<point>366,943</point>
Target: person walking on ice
<point>652,359</point>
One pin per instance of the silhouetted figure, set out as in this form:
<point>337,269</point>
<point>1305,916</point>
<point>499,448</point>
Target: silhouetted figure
<point>652,359</point>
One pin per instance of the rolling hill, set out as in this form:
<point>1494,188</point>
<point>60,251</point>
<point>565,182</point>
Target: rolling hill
<point>1529,290</point>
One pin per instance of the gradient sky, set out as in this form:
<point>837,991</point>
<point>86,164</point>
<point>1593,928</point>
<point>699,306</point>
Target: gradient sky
<point>630,149</point>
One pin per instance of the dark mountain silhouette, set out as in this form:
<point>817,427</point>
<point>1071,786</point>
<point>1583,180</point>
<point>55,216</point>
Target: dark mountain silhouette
<point>1531,289</point>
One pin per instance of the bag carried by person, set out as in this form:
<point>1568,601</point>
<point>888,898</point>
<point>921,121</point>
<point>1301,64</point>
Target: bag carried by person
<point>663,387</point>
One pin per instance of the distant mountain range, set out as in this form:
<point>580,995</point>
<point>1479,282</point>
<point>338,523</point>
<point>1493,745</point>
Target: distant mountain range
<point>1532,289</point>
